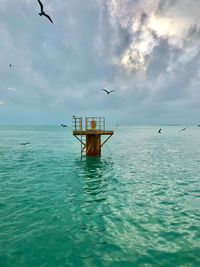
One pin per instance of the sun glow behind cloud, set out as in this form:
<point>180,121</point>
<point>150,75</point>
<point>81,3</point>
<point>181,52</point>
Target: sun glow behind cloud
<point>133,59</point>
<point>155,27</point>
<point>162,26</point>
<point>146,26</point>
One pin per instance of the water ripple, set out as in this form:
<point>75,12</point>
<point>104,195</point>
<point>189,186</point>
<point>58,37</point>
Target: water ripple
<point>138,206</point>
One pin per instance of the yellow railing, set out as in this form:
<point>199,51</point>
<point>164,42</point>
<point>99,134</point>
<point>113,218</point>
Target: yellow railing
<point>77,124</point>
<point>95,124</point>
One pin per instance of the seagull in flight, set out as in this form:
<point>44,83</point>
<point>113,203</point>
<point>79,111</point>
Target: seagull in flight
<point>108,92</point>
<point>42,11</point>
<point>23,144</point>
<point>182,130</point>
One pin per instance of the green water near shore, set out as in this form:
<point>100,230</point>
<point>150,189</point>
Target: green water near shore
<point>136,205</point>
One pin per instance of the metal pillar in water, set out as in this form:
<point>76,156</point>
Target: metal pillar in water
<point>94,129</point>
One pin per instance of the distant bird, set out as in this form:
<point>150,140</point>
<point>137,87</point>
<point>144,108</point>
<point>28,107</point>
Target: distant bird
<point>182,130</point>
<point>23,144</point>
<point>42,11</point>
<point>159,131</point>
<point>63,125</point>
<point>108,92</point>
<point>10,65</point>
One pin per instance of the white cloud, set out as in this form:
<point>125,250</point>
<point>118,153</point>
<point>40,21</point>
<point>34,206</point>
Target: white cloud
<point>12,89</point>
<point>1,102</point>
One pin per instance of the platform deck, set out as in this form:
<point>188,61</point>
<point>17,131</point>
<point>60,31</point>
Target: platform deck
<point>93,132</point>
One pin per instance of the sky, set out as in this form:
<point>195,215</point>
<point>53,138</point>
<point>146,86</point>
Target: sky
<point>147,51</point>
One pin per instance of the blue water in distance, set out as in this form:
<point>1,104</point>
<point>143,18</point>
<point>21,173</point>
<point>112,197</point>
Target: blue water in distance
<point>136,205</point>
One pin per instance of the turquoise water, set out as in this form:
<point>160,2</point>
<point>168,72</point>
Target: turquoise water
<point>137,205</point>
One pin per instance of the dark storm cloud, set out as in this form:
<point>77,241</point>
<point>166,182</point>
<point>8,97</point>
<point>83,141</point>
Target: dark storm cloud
<point>193,34</point>
<point>163,5</point>
<point>158,60</point>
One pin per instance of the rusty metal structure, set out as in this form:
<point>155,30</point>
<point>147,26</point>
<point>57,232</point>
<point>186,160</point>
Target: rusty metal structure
<point>90,138</point>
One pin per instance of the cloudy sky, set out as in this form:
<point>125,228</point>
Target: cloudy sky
<point>147,51</point>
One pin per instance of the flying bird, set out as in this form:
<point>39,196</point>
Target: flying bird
<point>23,144</point>
<point>182,130</point>
<point>108,92</point>
<point>42,11</point>
<point>159,131</point>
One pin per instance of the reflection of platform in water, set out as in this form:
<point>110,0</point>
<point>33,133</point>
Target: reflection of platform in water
<point>94,128</point>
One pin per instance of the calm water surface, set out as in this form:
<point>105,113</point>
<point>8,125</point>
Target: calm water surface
<point>137,205</point>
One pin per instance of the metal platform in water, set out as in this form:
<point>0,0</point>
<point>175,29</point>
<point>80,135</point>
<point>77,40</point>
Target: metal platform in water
<point>90,137</point>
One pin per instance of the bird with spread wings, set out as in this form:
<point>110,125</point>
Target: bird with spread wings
<point>108,92</point>
<point>42,13</point>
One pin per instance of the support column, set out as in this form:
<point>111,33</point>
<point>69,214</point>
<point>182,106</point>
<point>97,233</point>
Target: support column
<point>93,145</point>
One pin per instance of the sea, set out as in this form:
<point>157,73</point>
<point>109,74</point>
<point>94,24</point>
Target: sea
<point>136,205</point>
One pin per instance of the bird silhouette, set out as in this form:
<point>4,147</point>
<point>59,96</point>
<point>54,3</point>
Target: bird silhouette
<point>23,144</point>
<point>108,92</point>
<point>42,13</point>
<point>10,65</point>
<point>182,130</point>
<point>159,131</point>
